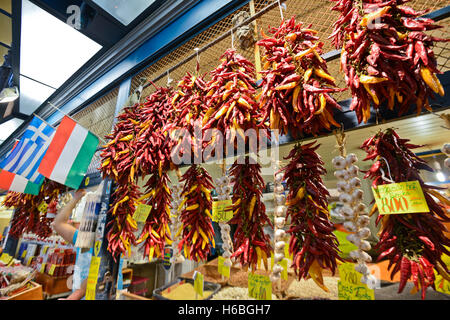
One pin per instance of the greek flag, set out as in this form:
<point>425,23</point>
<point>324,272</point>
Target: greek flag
<point>26,156</point>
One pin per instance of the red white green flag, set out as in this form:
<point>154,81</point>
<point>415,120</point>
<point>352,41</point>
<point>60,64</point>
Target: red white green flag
<point>12,182</point>
<point>69,154</point>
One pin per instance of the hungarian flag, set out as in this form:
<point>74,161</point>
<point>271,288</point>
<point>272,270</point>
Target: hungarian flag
<point>69,154</point>
<point>12,182</point>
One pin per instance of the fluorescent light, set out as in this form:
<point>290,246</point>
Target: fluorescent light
<point>440,176</point>
<point>9,94</point>
<point>51,50</point>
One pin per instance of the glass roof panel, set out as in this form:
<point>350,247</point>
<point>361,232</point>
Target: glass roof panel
<point>32,94</point>
<point>51,50</point>
<point>9,127</point>
<point>124,10</point>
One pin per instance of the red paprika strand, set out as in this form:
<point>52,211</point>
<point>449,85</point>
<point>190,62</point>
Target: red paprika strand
<point>386,56</point>
<point>313,246</point>
<point>250,242</point>
<point>414,243</point>
<point>296,85</point>
<point>196,217</point>
<point>156,232</point>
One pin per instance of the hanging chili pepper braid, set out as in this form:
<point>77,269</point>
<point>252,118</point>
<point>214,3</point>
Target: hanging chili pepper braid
<point>313,245</point>
<point>49,194</point>
<point>250,243</point>
<point>386,56</point>
<point>20,217</point>
<point>120,164</point>
<point>197,230</point>
<point>156,232</point>
<point>231,98</point>
<point>296,83</point>
<point>414,243</point>
<point>155,147</point>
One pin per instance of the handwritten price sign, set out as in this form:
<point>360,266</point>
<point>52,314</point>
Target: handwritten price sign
<point>259,287</point>
<point>403,197</point>
<point>199,283</point>
<point>220,212</point>
<point>350,286</point>
<point>142,212</point>
<point>222,268</point>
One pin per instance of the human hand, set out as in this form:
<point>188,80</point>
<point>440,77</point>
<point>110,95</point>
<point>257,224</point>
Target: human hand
<point>79,194</point>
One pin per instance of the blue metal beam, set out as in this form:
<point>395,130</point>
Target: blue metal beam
<point>209,11</point>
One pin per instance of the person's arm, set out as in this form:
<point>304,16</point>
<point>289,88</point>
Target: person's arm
<point>61,225</point>
<point>78,294</point>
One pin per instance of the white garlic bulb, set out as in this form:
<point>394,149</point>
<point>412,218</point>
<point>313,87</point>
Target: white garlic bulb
<point>363,221</point>
<point>274,277</point>
<point>355,183</point>
<point>353,170</point>
<point>279,234</point>
<point>280,199</point>
<point>353,239</point>
<point>277,268</point>
<point>371,281</point>
<point>280,211</point>
<point>351,159</point>
<point>339,162</point>
<point>364,245</point>
<point>279,178</point>
<point>358,254</point>
<point>341,174</point>
<point>347,212</point>
<point>277,257</point>
<point>362,268</point>
<point>278,189</point>
<point>280,245</point>
<point>345,198</point>
<point>343,187</point>
<point>357,195</point>
<point>279,222</point>
<point>361,208</point>
<point>364,233</point>
<point>350,226</point>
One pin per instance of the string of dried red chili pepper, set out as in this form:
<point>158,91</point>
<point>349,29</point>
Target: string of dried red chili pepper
<point>120,164</point>
<point>296,84</point>
<point>386,56</point>
<point>154,147</point>
<point>197,230</point>
<point>250,242</point>
<point>312,243</point>
<point>414,242</point>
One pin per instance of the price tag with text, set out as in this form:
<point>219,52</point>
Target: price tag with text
<point>42,270</point>
<point>350,286</point>
<point>259,287</point>
<point>5,258</point>
<point>52,269</point>
<point>198,283</point>
<point>142,212</point>
<point>222,268</point>
<point>43,207</point>
<point>92,278</point>
<point>24,253</point>
<point>397,198</point>
<point>222,211</point>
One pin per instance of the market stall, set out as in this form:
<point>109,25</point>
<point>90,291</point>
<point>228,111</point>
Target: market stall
<point>287,152</point>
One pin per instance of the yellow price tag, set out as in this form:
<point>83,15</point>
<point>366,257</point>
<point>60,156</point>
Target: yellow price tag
<point>272,261</point>
<point>29,261</point>
<point>350,286</point>
<point>198,283</point>
<point>24,253</point>
<point>142,212</point>
<point>43,207</point>
<point>52,269</point>
<point>92,278</point>
<point>222,268</point>
<point>222,211</point>
<point>5,258</point>
<point>259,287</point>
<point>396,198</point>
<point>45,249</point>
<point>42,270</point>
<point>86,182</point>
<point>284,273</point>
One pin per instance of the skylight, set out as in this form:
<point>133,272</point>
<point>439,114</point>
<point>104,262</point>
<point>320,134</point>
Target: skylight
<point>124,10</point>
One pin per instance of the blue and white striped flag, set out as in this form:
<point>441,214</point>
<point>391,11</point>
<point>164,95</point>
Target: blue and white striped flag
<point>25,158</point>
